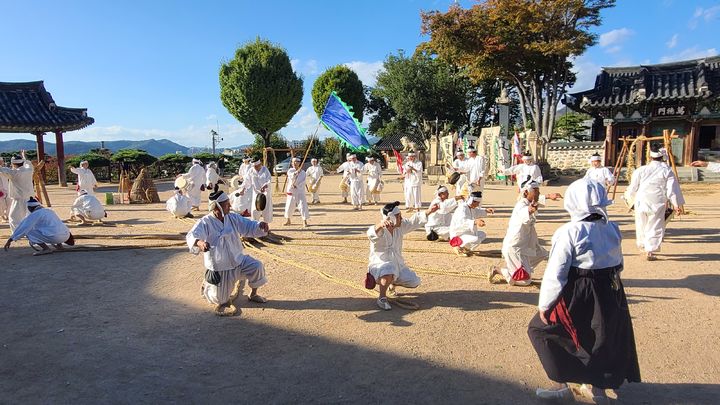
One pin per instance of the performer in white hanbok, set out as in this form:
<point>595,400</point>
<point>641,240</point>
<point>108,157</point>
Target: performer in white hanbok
<point>196,178</point>
<point>241,198</point>
<point>523,170</point>
<point>211,176</point>
<point>438,224</point>
<point>315,174</point>
<point>413,173</point>
<point>598,173</point>
<point>3,193</point>
<point>86,179</point>
<point>260,180</point>
<point>345,179</point>
<point>42,227</point>
<point>521,248</point>
<point>87,207</point>
<point>652,187</point>
<point>467,218</point>
<point>20,188</point>
<point>244,169</point>
<point>374,180</point>
<point>179,205</point>
<point>295,193</point>
<point>459,166</point>
<point>475,168</point>
<point>357,186</point>
<point>583,332</point>
<point>218,235</point>
<point>712,166</point>
<point>386,265</point>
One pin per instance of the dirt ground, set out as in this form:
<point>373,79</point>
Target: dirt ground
<point>130,326</point>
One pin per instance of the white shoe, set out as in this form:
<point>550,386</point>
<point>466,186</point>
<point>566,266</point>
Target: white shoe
<point>553,393</point>
<point>383,303</point>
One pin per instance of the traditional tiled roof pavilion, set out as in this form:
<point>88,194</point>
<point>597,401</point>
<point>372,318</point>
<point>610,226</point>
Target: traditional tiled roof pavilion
<point>29,108</point>
<point>644,100</point>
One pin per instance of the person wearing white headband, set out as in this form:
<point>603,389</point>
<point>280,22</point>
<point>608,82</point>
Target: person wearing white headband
<point>374,180</point>
<point>315,174</point>
<point>260,179</point>
<point>652,187</point>
<point>523,170</point>
<point>87,207</point>
<point>386,266</point>
<point>295,193</point>
<point>345,169</point>
<point>179,205</point>
<point>3,193</point>
<point>599,173</point>
<point>412,184</point>
<point>475,168</point>
<point>521,247</point>
<point>218,236</point>
<point>196,183</point>
<point>41,227</point>
<point>459,165</point>
<point>19,188</point>
<point>467,218</point>
<point>582,331</point>
<point>357,186</point>
<point>438,224</point>
<point>86,179</point>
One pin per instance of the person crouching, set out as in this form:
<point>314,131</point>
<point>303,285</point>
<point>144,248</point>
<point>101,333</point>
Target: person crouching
<point>42,227</point>
<point>464,233</point>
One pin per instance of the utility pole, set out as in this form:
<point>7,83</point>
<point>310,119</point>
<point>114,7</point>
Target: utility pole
<point>216,139</point>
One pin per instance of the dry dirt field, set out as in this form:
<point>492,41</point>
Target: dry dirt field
<point>130,326</point>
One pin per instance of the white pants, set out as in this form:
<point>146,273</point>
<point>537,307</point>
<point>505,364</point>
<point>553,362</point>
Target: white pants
<point>515,260</point>
<point>373,196</point>
<point>442,231</point>
<point>650,229</point>
<point>316,193</point>
<point>250,269</point>
<point>459,185</point>
<point>95,216</point>
<point>356,192</point>
<point>297,200</point>
<point>470,242</point>
<point>345,193</point>
<point>195,195</point>
<point>35,238</point>
<point>3,206</point>
<point>17,212</point>
<point>412,197</point>
<point>477,187</point>
<point>403,278</point>
<point>267,213</point>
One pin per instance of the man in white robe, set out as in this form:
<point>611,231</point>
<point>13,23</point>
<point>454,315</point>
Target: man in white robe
<point>467,218</point>
<point>20,188</point>
<point>386,265</point>
<point>459,166</point>
<point>218,235</point>
<point>475,168</point>
<point>412,184</point>
<point>374,180</point>
<point>357,186</point>
<point>196,177</point>
<point>211,175</point>
<point>651,188</point>
<point>260,179</point>
<point>314,174</point>
<point>527,169</point>
<point>295,193</point>
<point>179,205</point>
<point>240,199</point>
<point>86,179</point>
<point>3,193</point>
<point>87,207</point>
<point>345,180</point>
<point>41,227</point>
<point>438,224</point>
<point>598,173</point>
<point>245,166</point>
<point>521,247</point>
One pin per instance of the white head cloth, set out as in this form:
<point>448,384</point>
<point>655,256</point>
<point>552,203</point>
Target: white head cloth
<point>584,197</point>
<point>348,155</point>
<point>215,203</point>
<point>594,158</point>
<point>529,185</point>
<point>197,161</point>
<point>526,157</point>
<point>370,158</point>
<point>655,155</point>
<point>17,160</point>
<point>441,189</point>
<point>82,192</point>
<point>84,161</point>
<point>33,203</point>
<point>411,154</point>
<point>256,162</point>
<point>470,199</point>
<point>459,153</point>
<point>313,160</point>
<point>392,213</point>
<point>296,159</point>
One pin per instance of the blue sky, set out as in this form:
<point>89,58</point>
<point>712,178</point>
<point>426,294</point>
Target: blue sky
<point>149,69</point>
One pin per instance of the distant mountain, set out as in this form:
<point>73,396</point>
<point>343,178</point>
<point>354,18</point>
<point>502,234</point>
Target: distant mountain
<point>155,147</point>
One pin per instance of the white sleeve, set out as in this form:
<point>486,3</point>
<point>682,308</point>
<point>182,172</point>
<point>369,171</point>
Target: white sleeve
<point>715,167</point>
<point>609,177</point>
<point>26,225</point>
<point>197,232</point>
<point>246,227</point>
<point>634,185</point>
<point>74,170</point>
<point>557,269</point>
<point>416,221</point>
<point>673,191</point>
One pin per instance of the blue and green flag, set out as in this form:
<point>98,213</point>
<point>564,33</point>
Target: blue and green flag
<point>338,119</point>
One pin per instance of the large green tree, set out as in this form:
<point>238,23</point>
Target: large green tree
<point>343,81</point>
<point>529,43</point>
<point>133,159</point>
<point>571,126</point>
<point>260,88</point>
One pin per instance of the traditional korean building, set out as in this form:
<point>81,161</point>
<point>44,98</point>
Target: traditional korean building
<point>647,99</point>
<point>29,108</point>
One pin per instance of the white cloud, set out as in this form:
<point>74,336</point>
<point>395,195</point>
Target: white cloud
<point>614,49</point>
<point>211,117</point>
<point>303,124</point>
<point>694,52</point>
<point>366,71</point>
<point>672,42</point>
<point>615,38</point>
<point>704,14</point>
<point>306,68</point>
<point>585,71</point>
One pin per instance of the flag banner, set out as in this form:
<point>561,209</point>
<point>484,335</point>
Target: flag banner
<point>399,161</point>
<point>338,119</point>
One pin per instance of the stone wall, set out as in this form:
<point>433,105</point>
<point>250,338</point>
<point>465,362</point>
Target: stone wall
<point>571,158</point>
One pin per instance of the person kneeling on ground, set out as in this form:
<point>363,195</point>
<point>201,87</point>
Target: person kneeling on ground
<point>438,225</point>
<point>521,248</point>
<point>42,227</point>
<point>464,233</point>
<point>87,207</point>
<point>218,234</point>
<point>179,205</point>
<point>386,265</point>
<point>582,331</point>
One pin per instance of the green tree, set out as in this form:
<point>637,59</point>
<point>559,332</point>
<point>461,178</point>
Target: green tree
<point>571,126</point>
<point>133,160</point>
<point>528,43</point>
<point>174,163</point>
<point>332,151</point>
<point>94,160</point>
<point>208,157</point>
<point>317,149</point>
<point>343,81</point>
<point>260,89</point>
<point>276,141</point>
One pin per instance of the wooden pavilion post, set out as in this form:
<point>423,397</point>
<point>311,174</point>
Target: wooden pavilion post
<point>60,158</point>
<point>609,142</point>
<point>41,153</point>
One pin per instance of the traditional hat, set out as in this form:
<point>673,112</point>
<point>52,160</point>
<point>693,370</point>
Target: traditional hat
<point>369,158</point>
<point>215,198</point>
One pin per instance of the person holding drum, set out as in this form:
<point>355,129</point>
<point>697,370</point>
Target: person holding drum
<point>260,180</point>
<point>179,205</point>
<point>196,183</point>
<point>475,168</point>
<point>374,180</point>
<point>458,178</point>
<point>413,173</point>
<point>314,175</point>
<point>523,170</point>
<point>295,192</point>
<point>438,224</point>
<point>345,180</point>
